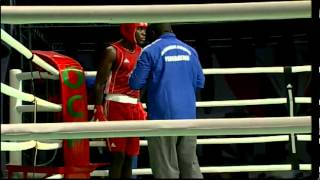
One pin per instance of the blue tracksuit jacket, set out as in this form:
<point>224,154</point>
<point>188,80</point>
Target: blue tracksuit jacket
<point>171,72</point>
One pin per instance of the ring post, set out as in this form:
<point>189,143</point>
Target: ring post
<point>291,106</point>
<point>15,117</point>
<point>74,109</point>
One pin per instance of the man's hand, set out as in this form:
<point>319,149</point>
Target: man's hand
<point>98,113</point>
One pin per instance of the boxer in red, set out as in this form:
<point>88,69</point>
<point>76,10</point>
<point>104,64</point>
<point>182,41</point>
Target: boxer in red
<point>115,100</point>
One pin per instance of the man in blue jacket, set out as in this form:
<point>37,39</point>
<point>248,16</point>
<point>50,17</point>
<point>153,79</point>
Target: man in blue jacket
<point>171,73</point>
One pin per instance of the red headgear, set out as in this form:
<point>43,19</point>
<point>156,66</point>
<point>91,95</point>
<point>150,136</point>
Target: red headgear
<point>128,31</point>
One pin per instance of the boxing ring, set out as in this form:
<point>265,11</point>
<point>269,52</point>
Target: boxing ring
<point>18,136</point>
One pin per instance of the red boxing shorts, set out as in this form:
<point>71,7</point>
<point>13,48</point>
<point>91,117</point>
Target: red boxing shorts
<point>124,111</point>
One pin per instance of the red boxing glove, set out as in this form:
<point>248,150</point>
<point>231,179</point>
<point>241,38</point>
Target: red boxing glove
<point>98,113</point>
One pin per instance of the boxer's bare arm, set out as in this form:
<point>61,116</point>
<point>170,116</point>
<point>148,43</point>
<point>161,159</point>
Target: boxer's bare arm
<point>103,73</point>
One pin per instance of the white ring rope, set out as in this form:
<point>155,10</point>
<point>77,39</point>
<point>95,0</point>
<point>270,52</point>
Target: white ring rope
<point>5,89</point>
<point>223,126</point>
<point>15,146</point>
<point>304,138</point>
<point>218,169</point>
<point>55,144</point>
<point>256,70</point>
<point>36,75</point>
<point>156,13</point>
<point>20,146</point>
<point>214,169</point>
<point>222,103</point>
<point>267,101</point>
<point>26,52</point>
<point>58,176</point>
<point>247,70</point>
<point>240,140</point>
<point>206,71</point>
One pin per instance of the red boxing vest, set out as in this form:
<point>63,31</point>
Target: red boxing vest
<point>124,65</point>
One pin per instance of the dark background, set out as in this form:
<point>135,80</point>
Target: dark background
<point>224,44</point>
